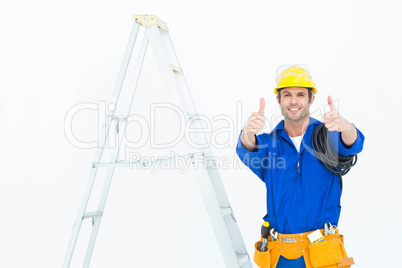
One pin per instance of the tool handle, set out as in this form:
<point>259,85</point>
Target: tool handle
<point>265,229</point>
<point>263,245</point>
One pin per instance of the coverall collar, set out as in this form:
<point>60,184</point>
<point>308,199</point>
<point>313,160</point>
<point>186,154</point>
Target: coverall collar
<point>281,129</point>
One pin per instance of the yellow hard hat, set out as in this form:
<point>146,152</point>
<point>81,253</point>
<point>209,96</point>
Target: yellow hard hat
<point>296,75</point>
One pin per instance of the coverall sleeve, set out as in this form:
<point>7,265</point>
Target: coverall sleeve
<point>255,160</point>
<point>339,147</point>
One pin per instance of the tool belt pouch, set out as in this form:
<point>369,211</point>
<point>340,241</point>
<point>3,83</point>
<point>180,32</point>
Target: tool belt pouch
<point>262,259</point>
<point>326,253</point>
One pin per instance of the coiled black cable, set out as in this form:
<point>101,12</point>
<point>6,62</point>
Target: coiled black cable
<point>337,164</point>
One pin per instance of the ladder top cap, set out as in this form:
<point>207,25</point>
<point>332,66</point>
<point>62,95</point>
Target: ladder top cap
<point>149,20</point>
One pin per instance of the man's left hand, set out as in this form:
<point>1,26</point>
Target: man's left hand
<point>334,122</point>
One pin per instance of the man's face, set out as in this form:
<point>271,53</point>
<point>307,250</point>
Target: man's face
<point>295,103</point>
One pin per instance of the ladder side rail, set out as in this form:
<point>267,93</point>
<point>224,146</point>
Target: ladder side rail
<point>222,234</point>
<point>114,157</point>
<point>126,61</point>
<point>185,92</point>
<point>220,193</point>
<point>222,199</point>
<point>133,84</point>
<point>200,137</point>
<point>230,219</point>
<point>117,89</point>
<point>164,65</point>
<point>206,187</point>
<point>79,218</point>
<point>213,172</point>
<point>97,220</point>
<point>171,52</point>
<point>136,75</point>
<point>99,150</point>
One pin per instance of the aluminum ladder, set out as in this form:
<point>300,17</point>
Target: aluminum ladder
<point>216,201</point>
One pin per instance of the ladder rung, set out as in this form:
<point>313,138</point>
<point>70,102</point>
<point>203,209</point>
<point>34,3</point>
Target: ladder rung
<point>118,118</point>
<point>141,162</point>
<point>92,214</point>
<point>226,210</point>
<point>111,164</point>
<point>242,258</point>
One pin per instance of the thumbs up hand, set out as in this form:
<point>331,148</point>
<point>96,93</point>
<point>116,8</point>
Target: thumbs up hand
<point>262,106</point>
<point>333,121</point>
<point>256,122</point>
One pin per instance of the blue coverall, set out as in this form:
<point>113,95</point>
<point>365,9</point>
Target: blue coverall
<point>302,194</point>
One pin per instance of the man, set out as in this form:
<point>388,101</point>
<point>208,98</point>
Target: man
<point>302,194</point>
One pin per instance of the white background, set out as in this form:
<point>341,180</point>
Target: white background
<point>55,55</point>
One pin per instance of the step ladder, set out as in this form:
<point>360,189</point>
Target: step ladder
<point>216,201</point>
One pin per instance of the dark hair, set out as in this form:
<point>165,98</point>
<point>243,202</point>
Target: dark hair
<point>309,93</point>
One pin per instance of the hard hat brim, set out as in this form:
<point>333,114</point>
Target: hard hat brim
<point>313,90</point>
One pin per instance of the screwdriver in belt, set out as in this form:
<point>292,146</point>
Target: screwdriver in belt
<point>265,229</point>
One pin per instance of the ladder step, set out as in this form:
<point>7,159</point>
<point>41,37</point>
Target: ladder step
<point>92,214</point>
<point>118,118</point>
<point>145,162</point>
<point>226,210</point>
<point>242,258</point>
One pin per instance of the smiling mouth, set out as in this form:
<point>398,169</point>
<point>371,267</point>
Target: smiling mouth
<point>294,109</point>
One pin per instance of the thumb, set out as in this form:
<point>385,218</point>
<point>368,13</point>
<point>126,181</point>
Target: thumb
<point>331,104</point>
<point>262,106</point>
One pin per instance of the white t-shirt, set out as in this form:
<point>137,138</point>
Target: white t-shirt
<point>297,141</point>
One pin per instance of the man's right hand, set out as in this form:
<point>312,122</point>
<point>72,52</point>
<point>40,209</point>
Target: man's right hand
<point>255,124</point>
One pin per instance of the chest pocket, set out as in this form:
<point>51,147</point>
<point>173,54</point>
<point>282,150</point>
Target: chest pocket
<point>313,171</point>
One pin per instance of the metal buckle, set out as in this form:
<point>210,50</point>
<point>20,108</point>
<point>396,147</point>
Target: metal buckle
<point>289,240</point>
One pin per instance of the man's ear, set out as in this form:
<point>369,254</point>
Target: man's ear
<point>312,99</point>
<point>277,98</point>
